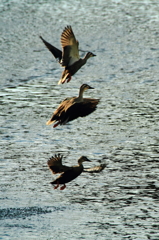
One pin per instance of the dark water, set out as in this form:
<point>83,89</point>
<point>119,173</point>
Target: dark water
<point>122,202</point>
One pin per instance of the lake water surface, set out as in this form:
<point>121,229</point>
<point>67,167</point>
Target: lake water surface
<point>122,202</point>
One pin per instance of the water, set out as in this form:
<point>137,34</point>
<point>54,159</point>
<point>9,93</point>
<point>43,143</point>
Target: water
<point>122,201</point>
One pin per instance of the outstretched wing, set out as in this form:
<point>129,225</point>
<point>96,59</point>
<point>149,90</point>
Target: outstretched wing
<point>60,112</point>
<point>70,47</point>
<point>95,169</point>
<point>55,51</point>
<point>81,109</point>
<point>55,164</point>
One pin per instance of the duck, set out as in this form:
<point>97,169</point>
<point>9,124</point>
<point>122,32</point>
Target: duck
<point>69,56</point>
<point>72,108</point>
<point>69,173</point>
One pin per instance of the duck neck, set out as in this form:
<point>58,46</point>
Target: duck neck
<point>80,161</point>
<point>80,96</point>
<point>87,56</point>
<point>80,166</point>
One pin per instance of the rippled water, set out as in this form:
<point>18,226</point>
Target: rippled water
<point>122,202</point>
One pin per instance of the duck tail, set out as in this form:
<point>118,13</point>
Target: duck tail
<point>49,122</point>
<point>65,76</point>
<point>60,81</point>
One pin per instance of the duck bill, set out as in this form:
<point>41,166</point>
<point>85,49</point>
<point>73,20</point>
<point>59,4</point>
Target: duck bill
<point>91,87</point>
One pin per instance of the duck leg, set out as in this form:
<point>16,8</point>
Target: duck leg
<point>65,76</point>
<point>55,125</point>
<point>69,77</point>
<point>63,187</point>
<point>56,185</point>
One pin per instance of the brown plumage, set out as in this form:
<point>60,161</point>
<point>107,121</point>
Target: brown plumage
<point>69,173</point>
<point>69,56</point>
<point>72,108</point>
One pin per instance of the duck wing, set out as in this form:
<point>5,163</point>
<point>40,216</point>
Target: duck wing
<point>95,169</point>
<point>55,164</point>
<point>81,109</point>
<point>69,44</point>
<point>55,51</point>
<point>60,112</point>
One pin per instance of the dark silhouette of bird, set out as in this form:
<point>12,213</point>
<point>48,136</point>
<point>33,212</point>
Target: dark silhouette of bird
<point>69,173</point>
<point>72,108</point>
<point>69,56</point>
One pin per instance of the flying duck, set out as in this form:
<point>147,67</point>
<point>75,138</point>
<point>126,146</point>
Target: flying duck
<point>72,108</point>
<point>69,173</point>
<point>69,56</point>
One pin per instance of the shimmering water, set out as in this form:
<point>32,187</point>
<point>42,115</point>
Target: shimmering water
<point>122,202</point>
